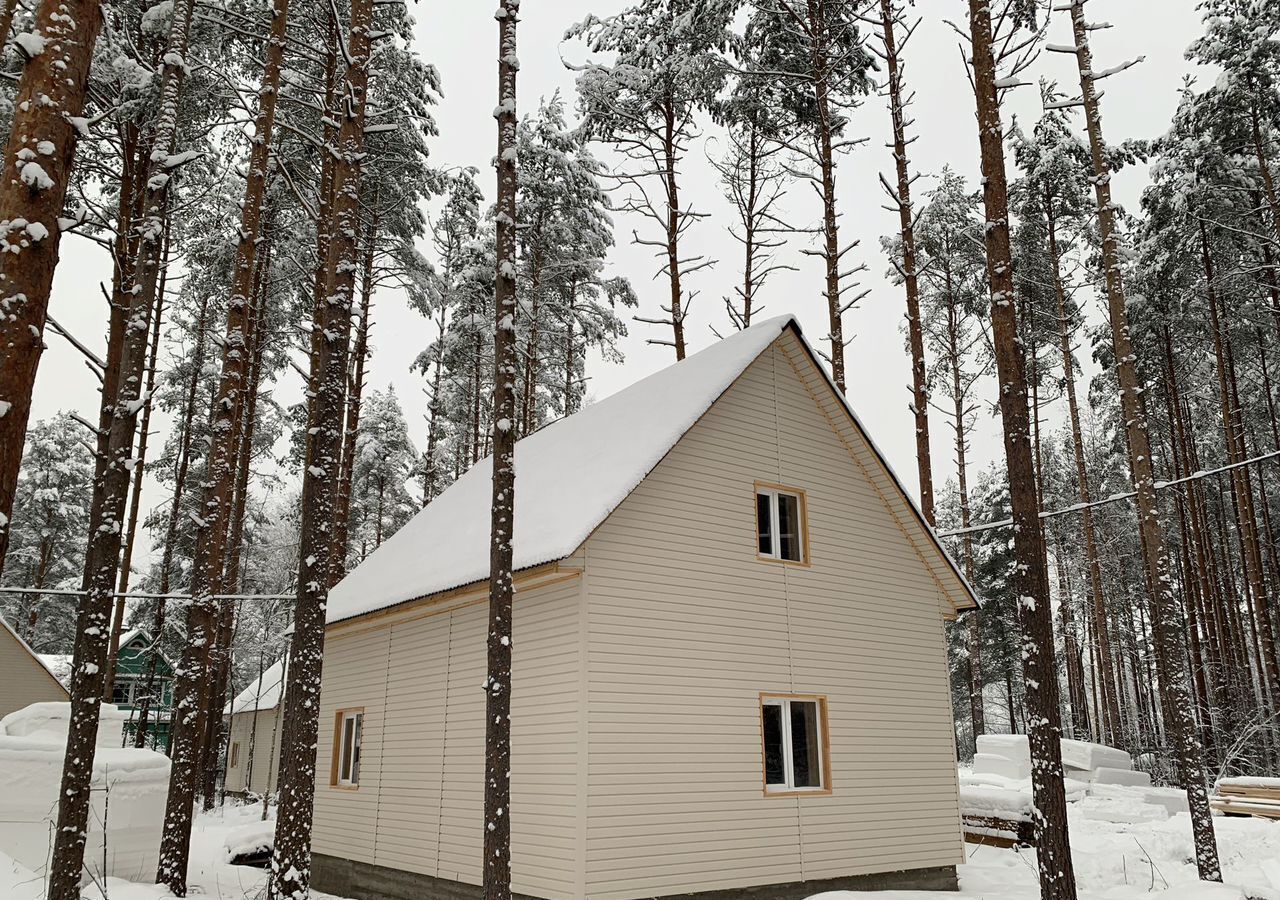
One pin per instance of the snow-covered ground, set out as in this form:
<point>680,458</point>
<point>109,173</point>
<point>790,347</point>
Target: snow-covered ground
<point>1114,861</point>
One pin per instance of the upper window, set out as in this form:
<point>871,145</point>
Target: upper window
<point>346,747</point>
<point>795,744</point>
<point>780,524</point>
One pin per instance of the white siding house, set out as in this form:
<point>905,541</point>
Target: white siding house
<point>253,734</point>
<point>730,664</point>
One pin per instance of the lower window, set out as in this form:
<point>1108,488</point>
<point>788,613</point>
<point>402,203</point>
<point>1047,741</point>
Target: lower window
<point>346,748</point>
<point>795,743</point>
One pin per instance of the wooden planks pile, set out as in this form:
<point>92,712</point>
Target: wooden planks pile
<point>995,831</point>
<point>1247,797</point>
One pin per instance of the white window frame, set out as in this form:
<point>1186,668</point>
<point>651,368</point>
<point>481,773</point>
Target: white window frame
<point>351,779</point>
<point>775,531</point>
<point>788,785</point>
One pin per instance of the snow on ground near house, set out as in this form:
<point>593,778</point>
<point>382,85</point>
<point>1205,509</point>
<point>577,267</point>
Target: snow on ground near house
<point>1114,861</point>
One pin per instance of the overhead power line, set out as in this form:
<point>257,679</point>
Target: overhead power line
<point>1114,498</point>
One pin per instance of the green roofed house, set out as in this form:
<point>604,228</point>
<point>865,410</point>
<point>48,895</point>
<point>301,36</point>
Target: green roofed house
<point>131,686</point>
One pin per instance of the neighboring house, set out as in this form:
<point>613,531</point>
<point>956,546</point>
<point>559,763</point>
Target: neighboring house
<point>131,684</point>
<point>253,734</point>
<point>730,666</point>
<point>24,677</point>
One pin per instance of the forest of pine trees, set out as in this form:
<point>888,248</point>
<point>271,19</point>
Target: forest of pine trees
<point>259,174</point>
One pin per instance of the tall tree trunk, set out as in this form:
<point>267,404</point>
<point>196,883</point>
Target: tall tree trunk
<point>291,863</point>
<point>1031,584</point>
<point>906,225</point>
<point>195,678</point>
<point>1250,556</point>
<point>38,159</point>
<point>823,131</point>
<point>1110,725</point>
<point>973,621</point>
<point>355,394</point>
<point>431,467</point>
<point>670,182</point>
<point>1169,655</point>
<point>102,558</point>
<point>497,778</point>
<point>135,493</point>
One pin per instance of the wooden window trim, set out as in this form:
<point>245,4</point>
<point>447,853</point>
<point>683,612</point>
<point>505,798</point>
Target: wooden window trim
<point>824,731</point>
<point>338,716</point>
<point>806,555</point>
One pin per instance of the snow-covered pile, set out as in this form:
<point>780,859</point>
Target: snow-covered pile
<point>251,839</point>
<point>1099,778</point>
<point>126,809</point>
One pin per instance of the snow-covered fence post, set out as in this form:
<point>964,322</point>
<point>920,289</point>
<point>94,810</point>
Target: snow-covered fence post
<point>291,861</point>
<point>37,168</point>
<point>497,732</point>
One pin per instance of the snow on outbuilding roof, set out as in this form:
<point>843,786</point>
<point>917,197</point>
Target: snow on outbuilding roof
<point>570,476</point>
<point>262,694</point>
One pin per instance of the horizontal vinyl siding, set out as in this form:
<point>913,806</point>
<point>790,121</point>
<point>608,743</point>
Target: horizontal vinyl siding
<point>256,731</point>
<point>686,628</point>
<point>429,789</point>
<point>23,678</point>
<point>355,675</point>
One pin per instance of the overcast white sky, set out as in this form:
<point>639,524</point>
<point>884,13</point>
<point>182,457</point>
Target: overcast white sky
<point>460,39</point>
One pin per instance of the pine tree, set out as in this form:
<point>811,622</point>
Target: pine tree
<point>665,70</point>
<point>47,544</point>
<point>1165,618</point>
<point>46,126</point>
<point>814,54</point>
<point>1031,581</point>
<point>498,677</point>
<point>952,270</point>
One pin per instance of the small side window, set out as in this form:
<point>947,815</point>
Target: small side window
<point>780,524</point>
<point>794,732</point>
<point>346,748</point>
<point>234,755</point>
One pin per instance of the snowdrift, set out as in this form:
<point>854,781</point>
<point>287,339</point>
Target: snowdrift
<point>126,809</point>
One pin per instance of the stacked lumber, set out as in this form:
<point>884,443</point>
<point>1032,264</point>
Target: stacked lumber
<point>1258,797</point>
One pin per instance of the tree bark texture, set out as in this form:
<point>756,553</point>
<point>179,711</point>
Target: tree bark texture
<point>910,275</point>
<point>1165,618</point>
<point>37,159</point>
<point>497,779</point>
<point>291,861</point>
<point>1031,583</point>
<point>194,685</point>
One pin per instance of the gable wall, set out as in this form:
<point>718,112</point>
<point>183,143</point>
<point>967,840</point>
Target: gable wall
<point>419,677</point>
<point>686,628</point>
<point>23,678</point>
<point>259,730</point>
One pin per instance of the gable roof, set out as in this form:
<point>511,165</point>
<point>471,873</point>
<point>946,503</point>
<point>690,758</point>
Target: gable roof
<point>263,693</point>
<point>35,657</point>
<point>570,476</point>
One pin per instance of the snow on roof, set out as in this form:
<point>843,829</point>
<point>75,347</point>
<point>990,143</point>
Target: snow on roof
<point>570,476</point>
<point>262,694</point>
<point>59,664</point>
